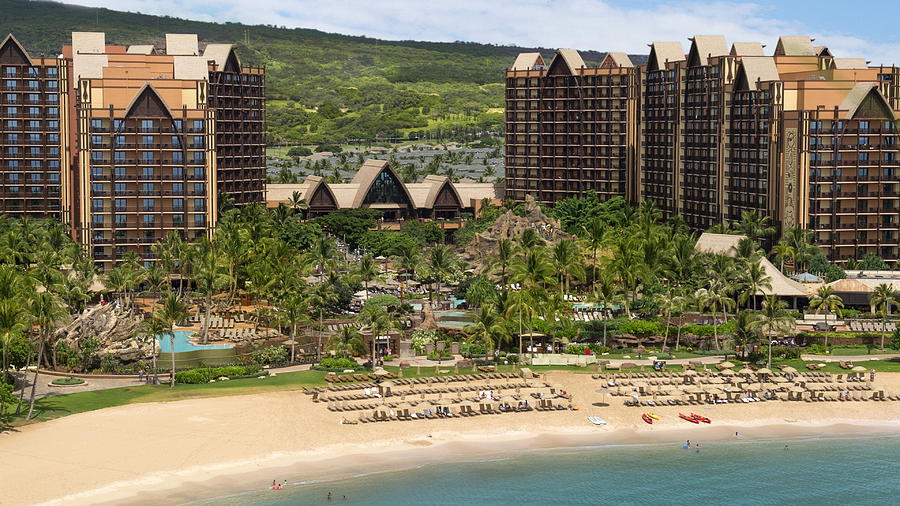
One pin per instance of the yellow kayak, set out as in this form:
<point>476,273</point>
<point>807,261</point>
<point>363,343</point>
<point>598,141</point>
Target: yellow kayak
<point>653,416</point>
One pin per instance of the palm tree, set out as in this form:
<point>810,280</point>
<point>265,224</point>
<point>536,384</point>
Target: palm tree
<point>753,280</point>
<point>715,297</point>
<point>594,236</point>
<point>346,342</point>
<point>669,304</point>
<point>825,299</point>
<point>755,225</point>
<point>488,328</point>
<point>506,252</point>
<point>323,251</point>
<point>172,311</point>
<point>783,251</point>
<point>13,324</point>
<point>151,330</point>
<point>800,240</point>
<point>297,202</point>
<point>47,311</point>
<point>210,278</point>
<point>744,334</point>
<point>441,262</point>
<point>531,268</point>
<point>566,260</point>
<point>885,297</point>
<point>408,259</point>
<point>607,293</point>
<point>367,271</point>
<point>378,321</point>
<point>320,300</point>
<point>774,317</point>
<point>293,311</point>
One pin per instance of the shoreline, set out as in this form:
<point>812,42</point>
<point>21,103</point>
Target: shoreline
<point>233,480</point>
<point>188,450</point>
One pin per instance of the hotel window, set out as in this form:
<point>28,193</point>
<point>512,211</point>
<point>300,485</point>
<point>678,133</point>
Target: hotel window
<point>96,188</point>
<point>119,188</point>
<point>12,98</point>
<point>53,125</point>
<point>178,172</point>
<point>52,72</point>
<point>199,220</point>
<point>96,124</point>
<point>119,125</point>
<point>98,220</point>
<point>178,188</point>
<point>121,220</point>
<point>147,188</point>
<point>149,220</point>
<point>52,98</point>
<point>863,126</point>
<point>146,140</point>
<point>178,205</point>
<point>199,188</point>
<point>199,205</point>
<point>146,125</point>
<point>119,172</point>
<point>147,172</point>
<point>147,156</point>
<point>198,125</point>
<point>121,204</point>
<point>12,112</point>
<point>97,205</point>
<point>178,220</point>
<point>96,172</point>
<point>54,177</point>
<point>863,140</point>
<point>149,205</point>
<point>9,71</point>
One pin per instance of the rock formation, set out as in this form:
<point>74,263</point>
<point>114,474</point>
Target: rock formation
<point>114,327</point>
<point>483,249</point>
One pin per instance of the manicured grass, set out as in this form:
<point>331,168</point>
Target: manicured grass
<point>835,351</point>
<point>68,381</point>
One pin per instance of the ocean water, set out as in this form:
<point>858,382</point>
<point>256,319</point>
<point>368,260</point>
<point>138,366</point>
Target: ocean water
<point>834,470</point>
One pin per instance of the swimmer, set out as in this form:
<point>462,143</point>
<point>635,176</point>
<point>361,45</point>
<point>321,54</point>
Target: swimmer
<point>786,447</point>
<point>328,496</point>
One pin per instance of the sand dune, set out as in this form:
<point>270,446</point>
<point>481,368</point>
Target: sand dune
<point>149,452</point>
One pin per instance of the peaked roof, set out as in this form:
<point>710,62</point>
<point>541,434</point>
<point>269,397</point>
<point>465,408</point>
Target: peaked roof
<point>617,59</point>
<point>366,176</point>
<point>570,57</point>
<point>141,49</point>
<point>147,102</point>
<point>794,45</point>
<point>850,285</point>
<point>755,69</point>
<point>705,46</point>
<point>849,63</point>
<point>527,61</point>
<point>726,244</point>
<point>661,52</point>
<point>11,47</point>
<point>313,183</point>
<point>438,183</point>
<point>822,51</point>
<point>747,49</point>
<point>221,54</point>
<point>866,97</point>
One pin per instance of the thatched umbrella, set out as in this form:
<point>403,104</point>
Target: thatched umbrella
<point>381,373</point>
<point>403,409</point>
<point>604,392</point>
<point>788,369</point>
<point>725,365</point>
<point>727,372</point>
<point>745,370</point>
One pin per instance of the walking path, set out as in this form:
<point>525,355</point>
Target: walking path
<point>849,358</point>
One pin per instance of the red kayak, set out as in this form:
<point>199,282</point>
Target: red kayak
<point>688,418</point>
<point>701,418</point>
<point>647,418</point>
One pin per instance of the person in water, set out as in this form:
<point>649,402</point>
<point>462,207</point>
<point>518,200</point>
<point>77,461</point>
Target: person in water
<point>328,496</point>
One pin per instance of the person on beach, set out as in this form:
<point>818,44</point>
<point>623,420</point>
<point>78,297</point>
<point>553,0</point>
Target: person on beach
<point>328,496</point>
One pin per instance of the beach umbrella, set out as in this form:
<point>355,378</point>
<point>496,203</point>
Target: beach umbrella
<point>725,365</point>
<point>727,372</point>
<point>745,371</point>
<point>381,373</point>
<point>690,372</point>
<point>788,369</point>
<point>858,368</point>
<point>764,370</point>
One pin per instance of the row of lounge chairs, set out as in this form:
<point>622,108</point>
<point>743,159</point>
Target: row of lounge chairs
<point>248,333</point>
<point>870,326</point>
<point>419,391</point>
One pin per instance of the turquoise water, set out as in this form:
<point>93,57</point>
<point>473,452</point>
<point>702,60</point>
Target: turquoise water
<point>759,472</point>
<point>182,343</point>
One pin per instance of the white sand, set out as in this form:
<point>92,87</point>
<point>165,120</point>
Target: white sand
<point>149,452</point>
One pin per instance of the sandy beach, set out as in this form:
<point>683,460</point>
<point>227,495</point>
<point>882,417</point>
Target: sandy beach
<point>168,453</point>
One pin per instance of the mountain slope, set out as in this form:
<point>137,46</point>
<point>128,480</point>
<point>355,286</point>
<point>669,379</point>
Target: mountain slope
<point>322,87</point>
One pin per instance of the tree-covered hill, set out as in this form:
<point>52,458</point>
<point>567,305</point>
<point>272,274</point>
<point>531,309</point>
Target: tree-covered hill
<point>322,87</point>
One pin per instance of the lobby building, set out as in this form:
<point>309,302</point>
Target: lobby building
<point>708,130</point>
<point>125,144</point>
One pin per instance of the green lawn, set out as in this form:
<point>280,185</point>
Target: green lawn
<point>835,351</point>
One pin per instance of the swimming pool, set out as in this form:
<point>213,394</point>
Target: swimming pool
<point>183,343</point>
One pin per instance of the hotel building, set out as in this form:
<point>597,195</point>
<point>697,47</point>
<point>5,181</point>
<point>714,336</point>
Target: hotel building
<point>708,133</point>
<point>126,144</point>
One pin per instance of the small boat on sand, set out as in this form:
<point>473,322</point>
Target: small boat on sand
<point>653,416</point>
<point>647,419</point>
<point>701,418</point>
<point>688,418</point>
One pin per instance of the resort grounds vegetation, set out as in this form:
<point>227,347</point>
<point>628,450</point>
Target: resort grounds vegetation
<point>208,374</point>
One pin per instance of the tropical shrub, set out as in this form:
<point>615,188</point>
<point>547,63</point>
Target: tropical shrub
<point>642,328</point>
<point>420,338</point>
<point>385,300</point>
<point>270,355</point>
<point>471,349</point>
<point>436,355</point>
<point>338,363</point>
<point>205,374</point>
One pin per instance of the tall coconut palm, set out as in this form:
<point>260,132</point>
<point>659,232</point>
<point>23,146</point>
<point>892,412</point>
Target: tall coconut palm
<point>210,278</point>
<point>752,281</point>
<point>716,297</point>
<point>783,251</point>
<point>755,225</point>
<point>441,262</point>
<point>488,328</point>
<point>826,300</point>
<point>883,297</point>
<point>608,293</point>
<point>379,321</point>
<point>594,236</point>
<point>744,333</point>
<point>172,311</point>
<point>347,341</point>
<point>367,270</point>
<point>506,252</point>
<point>151,330</point>
<point>531,268</point>
<point>47,311</point>
<point>566,260</point>
<point>14,321</point>
<point>408,259</point>
<point>320,300</point>
<point>322,252</point>
<point>773,318</point>
<point>293,311</point>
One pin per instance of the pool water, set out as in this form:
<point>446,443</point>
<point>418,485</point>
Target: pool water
<point>183,343</point>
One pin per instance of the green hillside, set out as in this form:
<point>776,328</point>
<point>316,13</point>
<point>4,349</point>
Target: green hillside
<point>322,87</point>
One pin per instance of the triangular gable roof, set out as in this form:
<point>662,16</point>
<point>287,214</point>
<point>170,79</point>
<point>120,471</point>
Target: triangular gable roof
<point>12,52</point>
<point>570,57</point>
<point>527,61</point>
<point>148,103</point>
<point>866,100</point>
<point>224,57</point>
<point>849,64</point>
<point>615,60</point>
<point>848,285</point>
<point>705,46</point>
<point>141,49</point>
<point>822,51</point>
<point>661,52</point>
<point>755,69</point>
<point>726,244</point>
<point>747,49</point>
<point>794,45</point>
<point>438,183</point>
<point>314,185</point>
<point>366,176</point>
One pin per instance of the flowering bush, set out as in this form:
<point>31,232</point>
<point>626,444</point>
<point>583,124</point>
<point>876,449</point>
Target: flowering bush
<point>421,338</point>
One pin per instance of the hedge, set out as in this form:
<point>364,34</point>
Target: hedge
<point>205,374</point>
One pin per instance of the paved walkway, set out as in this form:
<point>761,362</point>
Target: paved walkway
<point>848,358</point>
